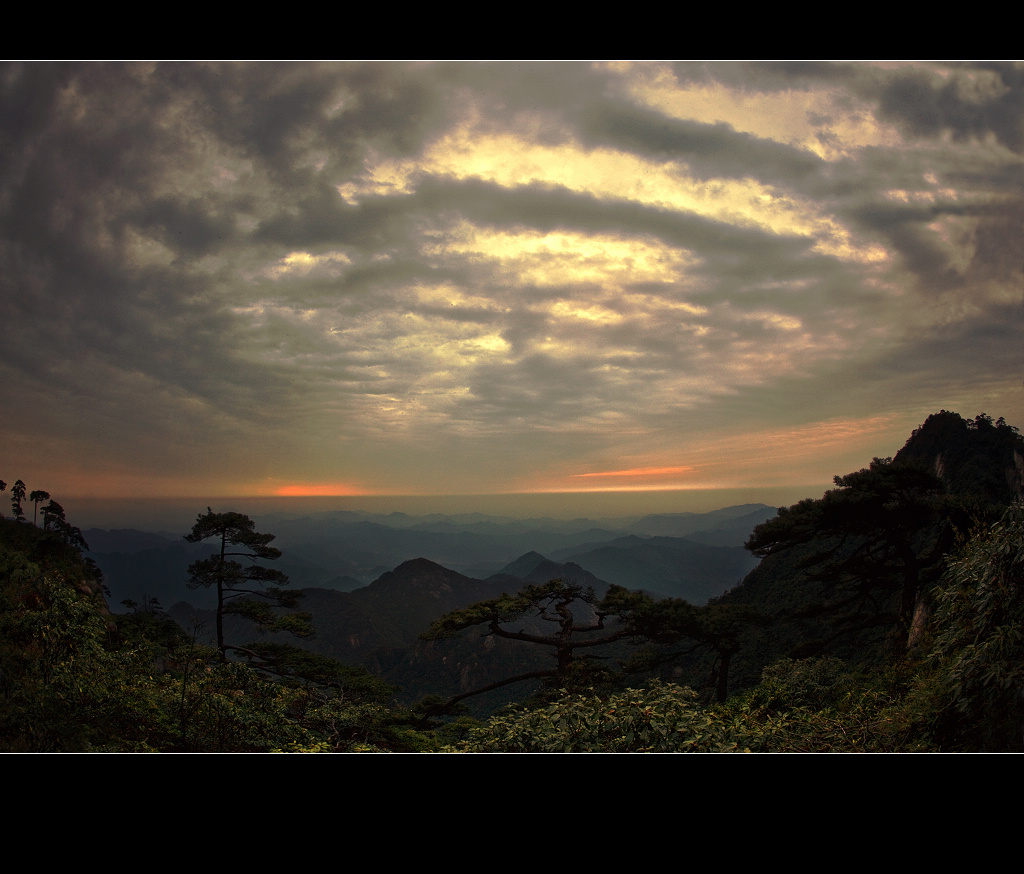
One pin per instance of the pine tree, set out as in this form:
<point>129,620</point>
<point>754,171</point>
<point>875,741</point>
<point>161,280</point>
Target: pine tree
<point>242,589</point>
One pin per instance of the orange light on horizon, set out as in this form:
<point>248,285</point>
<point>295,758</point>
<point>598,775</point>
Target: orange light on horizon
<point>639,471</point>
<point>319,490</point>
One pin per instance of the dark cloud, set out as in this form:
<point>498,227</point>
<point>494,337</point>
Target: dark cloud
<point>767,77</point>
<point>185,291</point>
<point>968,101</point>
<point>708,150</point>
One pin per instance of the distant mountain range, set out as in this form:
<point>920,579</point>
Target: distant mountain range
<point>688,555</point>
<point>374,583</point>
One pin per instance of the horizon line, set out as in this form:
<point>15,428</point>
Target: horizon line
<point>608,490</point>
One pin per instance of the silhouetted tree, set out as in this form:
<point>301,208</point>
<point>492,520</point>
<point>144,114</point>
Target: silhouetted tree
<point>881,534</point>
<point>53,520</point>
<point>242,589</point>
<point>17,496</point>
<point>37,497</point>
<point>677,629</point>
<point>580,623</point>
<point>53,515</point>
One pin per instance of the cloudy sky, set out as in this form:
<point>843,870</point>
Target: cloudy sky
<point>417,278</point>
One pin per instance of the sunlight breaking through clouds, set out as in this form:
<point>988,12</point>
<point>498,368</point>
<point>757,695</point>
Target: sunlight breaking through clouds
<point>561,258</point>
<point>304,263</point>
<point>510,162</point>
<point>460,276</point>
<point>808,115</point>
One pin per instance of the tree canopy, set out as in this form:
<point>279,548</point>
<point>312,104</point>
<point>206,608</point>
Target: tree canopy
<point>879,536</point>
<point>37,497</point>
<point>579,621</point>
<point>244,588</point>
<point>17,496</point>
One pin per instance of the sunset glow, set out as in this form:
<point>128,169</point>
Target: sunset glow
<point>310,490</point>
<point>640,471</point>
<point>356,279</point>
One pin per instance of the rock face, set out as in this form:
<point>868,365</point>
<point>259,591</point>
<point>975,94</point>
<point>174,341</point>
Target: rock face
<point>980,464</point>
<point>981,460</point>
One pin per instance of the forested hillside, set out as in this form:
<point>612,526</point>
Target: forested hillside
<point>852,574</point>
<point>75,678</point>
<point>883,616</point>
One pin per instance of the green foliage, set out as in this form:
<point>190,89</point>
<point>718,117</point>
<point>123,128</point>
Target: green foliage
<point>63,689</point>
<point>801,706</point>
<point>71,682</point>
<point>661,718</point>
<point>979,637</point>
<point>231,707</point>
<point>813,683</point>
<point>866,721</point>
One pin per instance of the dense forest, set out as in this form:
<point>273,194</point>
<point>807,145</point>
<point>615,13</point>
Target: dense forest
<point>884,616</point>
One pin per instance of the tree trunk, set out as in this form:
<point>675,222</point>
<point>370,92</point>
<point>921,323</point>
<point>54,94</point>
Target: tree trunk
<point>722,692</point>
<point>220,600</point>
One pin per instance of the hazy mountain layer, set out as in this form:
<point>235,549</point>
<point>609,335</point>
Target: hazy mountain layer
<point>344,550</point>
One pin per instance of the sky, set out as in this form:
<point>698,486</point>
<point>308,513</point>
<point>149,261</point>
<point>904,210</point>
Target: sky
<point>426,279</point>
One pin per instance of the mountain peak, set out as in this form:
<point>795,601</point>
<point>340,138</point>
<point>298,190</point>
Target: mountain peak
<point>524,565</point>
<point>980,458</point>
<point>421,573</point>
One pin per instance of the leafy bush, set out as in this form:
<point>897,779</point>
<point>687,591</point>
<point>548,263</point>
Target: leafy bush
<point>813,683</point>
<point>979,641</point>
<point>660,718</point>
<point>811,706</point>
<point>71,682</point>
